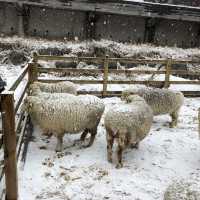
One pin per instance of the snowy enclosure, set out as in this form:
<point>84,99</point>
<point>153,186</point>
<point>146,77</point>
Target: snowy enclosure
<point>78,173</point>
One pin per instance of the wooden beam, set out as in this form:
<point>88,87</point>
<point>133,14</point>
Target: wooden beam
<point>105,75</point>
<point>116,71</point>
<point>10,164</point>
<point>167,74</point>
<point>118,93</point>
<point>18,79</point>
<point>18,103</point>
<point>116,81</point>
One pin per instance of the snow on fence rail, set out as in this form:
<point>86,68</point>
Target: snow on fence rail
<point>16,126</point>
<point>105,71</point>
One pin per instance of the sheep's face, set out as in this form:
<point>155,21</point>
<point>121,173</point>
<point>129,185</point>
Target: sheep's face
<point>127,93</point>
<point>134,99</point>
<point>33,90</point>
<point>29,104</point>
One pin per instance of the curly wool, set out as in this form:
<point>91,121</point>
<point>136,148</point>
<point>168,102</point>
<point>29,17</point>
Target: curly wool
<point>183,190</point>
<point>60,87</point>
<point>71,115</point>
<point>162,101</point>
<point>134,118</point>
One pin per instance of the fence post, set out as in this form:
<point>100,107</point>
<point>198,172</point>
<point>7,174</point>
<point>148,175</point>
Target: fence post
<point>33,71</point>
<point>9,140</point>
<point>168,72</point>
<point>105,75</point>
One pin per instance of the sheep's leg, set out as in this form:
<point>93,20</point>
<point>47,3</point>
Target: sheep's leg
<point>84,134</point>
<point>92,137</point>
<point>110,141</point>
<point>120,148</point>
<point>59,143</point>
<point>135,146</point>
<point>174,121</point>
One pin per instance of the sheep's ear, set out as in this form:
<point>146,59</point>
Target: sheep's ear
<point>30,91</point>
<point>30,105</point>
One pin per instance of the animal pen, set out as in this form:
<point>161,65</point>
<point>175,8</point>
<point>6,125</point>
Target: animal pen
<point>16,125</point>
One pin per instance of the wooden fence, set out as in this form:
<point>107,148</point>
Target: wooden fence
<point>15,123</point>
<point>105,71</point>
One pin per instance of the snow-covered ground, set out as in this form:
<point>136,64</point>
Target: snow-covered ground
<point>165,155</point>
<point>84,174</point>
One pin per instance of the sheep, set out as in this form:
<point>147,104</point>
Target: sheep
<point>129,124</point>
<point>72,114</point>
<point>59,87</point>
<point>183,189</point>
<point>162,101</point>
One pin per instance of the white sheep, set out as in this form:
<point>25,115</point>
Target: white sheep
<point>183,190</point>
<point>72,114</point>
<point>162,101</point>
<point>129,124</point>
<point>59,87</point>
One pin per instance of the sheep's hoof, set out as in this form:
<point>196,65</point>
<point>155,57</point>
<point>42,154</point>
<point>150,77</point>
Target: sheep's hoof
<point>86,146</point>
<point>110,160</point>
<point>172,125</point>
<point>119,165</point>
<point>58,149</point>
<point>135,146</point>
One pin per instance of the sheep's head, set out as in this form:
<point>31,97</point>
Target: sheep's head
<point>134,99</point>
<point>29,103</point>
<point>127,93</point>
<point>33,89</point>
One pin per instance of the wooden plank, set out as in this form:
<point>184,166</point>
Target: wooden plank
<point>32,72</point>
<point>74,70</point>
<point>123,60</point>
<point>18,122</point>
<point>116,71</point>
<point>116,81</point>
<point>71,59</point>
<point>105,75</point>
<point>19,79</point>
<point>18,103</point>
<point>118,93</point>
<point>167,74</point>
<point>8,124</point>
<point>21,136</point>
<point>74,81</point>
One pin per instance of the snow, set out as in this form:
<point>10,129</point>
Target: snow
<point>128,50</point>
<point>165,155</point>
<point>84,173</point>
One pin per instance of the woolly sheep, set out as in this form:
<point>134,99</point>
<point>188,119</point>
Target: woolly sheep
<point>129,124</point>
<point>183,190</point>
<point>71,115</point>
<point>162,101</point>
<point>59,87</point>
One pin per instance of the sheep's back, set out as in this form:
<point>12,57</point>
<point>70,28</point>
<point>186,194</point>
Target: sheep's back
<point>66,114</point>
<point>162,101</point>
<point>130,117</point>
